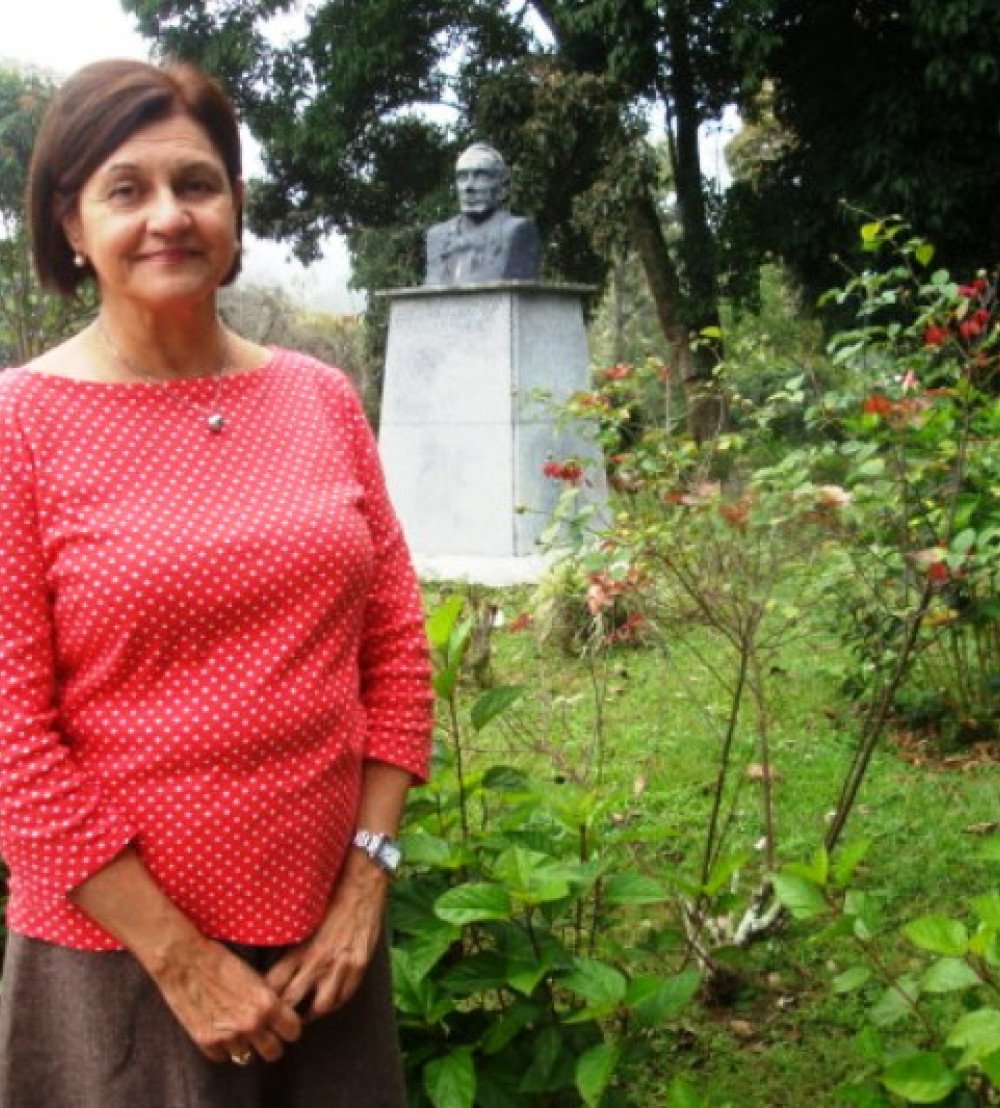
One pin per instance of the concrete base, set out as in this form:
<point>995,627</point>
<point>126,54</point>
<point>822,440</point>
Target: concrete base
<point>474,378</point>
<point>481,570</point>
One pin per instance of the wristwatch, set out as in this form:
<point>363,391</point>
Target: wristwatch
<point>383,849</point>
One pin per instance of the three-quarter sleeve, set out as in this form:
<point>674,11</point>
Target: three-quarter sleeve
<point>56,829</point>
<point>393,656</point>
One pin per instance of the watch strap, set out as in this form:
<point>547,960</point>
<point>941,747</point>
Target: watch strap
<point>380,847</point>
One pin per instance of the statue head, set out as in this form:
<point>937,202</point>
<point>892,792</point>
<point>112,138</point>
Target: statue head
<point>482,181</point>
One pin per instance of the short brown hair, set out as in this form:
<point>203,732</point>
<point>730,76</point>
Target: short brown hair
<point>90,116</point>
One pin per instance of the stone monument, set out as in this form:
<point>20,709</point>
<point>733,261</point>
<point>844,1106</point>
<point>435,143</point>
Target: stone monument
<point>478,361</point>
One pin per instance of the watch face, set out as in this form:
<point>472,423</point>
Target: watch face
<point>391,855</point>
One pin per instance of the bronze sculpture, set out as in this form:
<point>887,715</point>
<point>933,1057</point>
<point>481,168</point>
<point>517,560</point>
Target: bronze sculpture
<point>484,242</point>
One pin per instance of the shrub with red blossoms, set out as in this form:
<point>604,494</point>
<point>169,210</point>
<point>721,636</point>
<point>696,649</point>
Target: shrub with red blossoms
<point>618,372</point>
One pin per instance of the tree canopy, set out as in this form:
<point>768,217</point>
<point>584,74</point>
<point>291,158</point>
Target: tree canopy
<point>892,106</point>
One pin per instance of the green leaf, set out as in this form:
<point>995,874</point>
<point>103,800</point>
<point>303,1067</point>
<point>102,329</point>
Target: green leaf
<point>441,621</point>
<point>800,896</point>
<point>965,540</point>
<point>847,861</point>
<point>723,870</point>
<point>596,982</point>
<point>450,1082</point>
<point>546,1049</point>
<point>948,975</point>
<point>894,1004</point>
<point>508,1026</point>
<point>669,1000</point>
<point>870,231</point>
<point>423,849</point>
<point>531,876</point>
<point>939,935</point>
<point>469,903</point>
<point>594,1070</point>
<point>816,871</point>
<point>987,908</point>
<point>476,973</point>
<point>415,995</point>
<point>991,1067</point>
<point>922,1078</point>
<point>528,963</point>
<point>924,254</point>
<point>851,979</point>
<point>493,702</point>
<point>444,681</point>
<point>977,1034</point>
<point>506,779</point>
<point>633,888</point>
<point>682,1094</point>
<point>426,948</point>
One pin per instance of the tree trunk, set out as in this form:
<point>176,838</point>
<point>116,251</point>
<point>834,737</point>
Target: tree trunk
<point>706,405</point>
<point>706,414</point>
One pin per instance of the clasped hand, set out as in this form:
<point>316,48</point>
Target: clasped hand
<point>227,1008</point>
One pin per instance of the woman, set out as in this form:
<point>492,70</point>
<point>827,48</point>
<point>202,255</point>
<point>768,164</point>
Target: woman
<point>214,686</point>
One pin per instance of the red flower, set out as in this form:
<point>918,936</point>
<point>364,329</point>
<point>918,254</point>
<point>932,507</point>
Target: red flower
<point>939,573</point>
<point>618,372</point>
<point>970,329</point>
<point>877,405</point>
<point>975,289</point>
<point>936,336</point>
<point>736,514</point>
<point>565,471</point>
<point>981,316</point>
<point>521,622</point>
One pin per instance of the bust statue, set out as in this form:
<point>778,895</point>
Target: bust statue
<point>484,242</point>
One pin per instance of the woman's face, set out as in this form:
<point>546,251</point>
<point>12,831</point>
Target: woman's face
<point>158,220</point>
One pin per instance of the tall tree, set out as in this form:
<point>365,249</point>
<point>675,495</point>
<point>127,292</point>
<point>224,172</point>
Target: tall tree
<point>29,319</point>
<point>360,121</point>
<point>889,105</point>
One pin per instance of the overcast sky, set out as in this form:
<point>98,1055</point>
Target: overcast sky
<point>62,35</point>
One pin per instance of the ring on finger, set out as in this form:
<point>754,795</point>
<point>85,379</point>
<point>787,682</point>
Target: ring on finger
<point>241,1057</point>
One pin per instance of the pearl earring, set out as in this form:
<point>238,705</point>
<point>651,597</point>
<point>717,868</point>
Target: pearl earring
<point>79,260</point>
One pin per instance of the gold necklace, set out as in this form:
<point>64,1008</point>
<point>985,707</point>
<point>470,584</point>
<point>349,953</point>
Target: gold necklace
<point>212,412</point>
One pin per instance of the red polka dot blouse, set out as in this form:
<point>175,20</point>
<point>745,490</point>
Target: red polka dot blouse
<point>202,637</point>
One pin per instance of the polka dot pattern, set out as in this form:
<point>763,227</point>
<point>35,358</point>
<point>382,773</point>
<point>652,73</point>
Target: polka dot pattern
<point>202,638</point>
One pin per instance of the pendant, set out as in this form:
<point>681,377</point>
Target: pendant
<point>216,422</point>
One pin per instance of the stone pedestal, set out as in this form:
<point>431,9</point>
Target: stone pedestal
<point>465,430</point>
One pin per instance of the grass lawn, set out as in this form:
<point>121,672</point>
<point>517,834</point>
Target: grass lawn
<point>785,1039</point>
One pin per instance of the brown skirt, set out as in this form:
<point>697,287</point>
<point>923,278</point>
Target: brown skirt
<point>89,1029</point>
